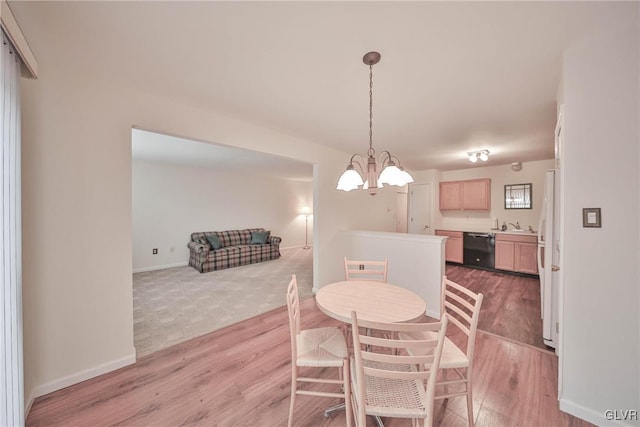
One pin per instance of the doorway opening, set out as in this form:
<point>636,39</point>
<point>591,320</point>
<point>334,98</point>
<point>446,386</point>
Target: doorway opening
<point>182,186</point>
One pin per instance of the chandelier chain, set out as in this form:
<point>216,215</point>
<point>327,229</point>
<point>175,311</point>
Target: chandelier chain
<point>371,151</point>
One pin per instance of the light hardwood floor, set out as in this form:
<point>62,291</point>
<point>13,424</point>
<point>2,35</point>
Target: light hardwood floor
<point>511,305</point>
<point>240,376</point>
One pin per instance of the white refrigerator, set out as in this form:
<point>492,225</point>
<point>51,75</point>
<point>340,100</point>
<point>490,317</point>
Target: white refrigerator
<point>548,259</point>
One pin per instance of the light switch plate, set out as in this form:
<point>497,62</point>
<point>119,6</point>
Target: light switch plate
<point>591,218</point>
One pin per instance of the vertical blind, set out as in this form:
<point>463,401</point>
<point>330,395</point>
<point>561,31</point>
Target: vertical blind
<point>11,376</point>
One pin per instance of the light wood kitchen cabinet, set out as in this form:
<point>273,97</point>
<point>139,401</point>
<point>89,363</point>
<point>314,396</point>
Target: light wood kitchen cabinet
<point>476,194</point>
<point>453,248</point>
<point>516,253</point>
<point>504,255</point>
<point>473,194</point>
<point>526,258</point>
<point>450,195</point>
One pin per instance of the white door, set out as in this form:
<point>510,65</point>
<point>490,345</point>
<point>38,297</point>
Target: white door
<point>420,209</point>
<point>401,211</point>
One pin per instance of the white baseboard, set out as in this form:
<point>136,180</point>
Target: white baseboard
<point>29,403</point>
<point>294,247</point>
<point>72,379</point>
<point>160,267</point>
<point>587,414</point>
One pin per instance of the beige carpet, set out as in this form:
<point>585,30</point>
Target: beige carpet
<point>176,304</point>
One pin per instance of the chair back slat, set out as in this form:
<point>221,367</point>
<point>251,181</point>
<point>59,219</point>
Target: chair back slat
<point>394,358</point>
<point>366,270</point>
<point>396,375</point>
<point>461,301</point>
<point>455,311</point>
<point>463,327</point>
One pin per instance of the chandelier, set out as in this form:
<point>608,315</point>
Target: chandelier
<point>391,172</point>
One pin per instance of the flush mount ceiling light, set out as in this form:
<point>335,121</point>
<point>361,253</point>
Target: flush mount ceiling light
<point>391,172</point>
<point>481,154</point>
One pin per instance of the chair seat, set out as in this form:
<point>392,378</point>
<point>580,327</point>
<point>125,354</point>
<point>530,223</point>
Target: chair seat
<point>392,397</point>
<point>452,356</point>
<point>321,347</point>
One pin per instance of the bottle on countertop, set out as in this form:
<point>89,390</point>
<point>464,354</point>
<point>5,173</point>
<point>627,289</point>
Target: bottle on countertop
<point>504,226</point>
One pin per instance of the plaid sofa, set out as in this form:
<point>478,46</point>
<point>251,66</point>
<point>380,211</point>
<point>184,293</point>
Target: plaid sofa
<point>236,250</point>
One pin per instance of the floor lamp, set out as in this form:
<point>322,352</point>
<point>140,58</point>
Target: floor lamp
<point>306,211</point>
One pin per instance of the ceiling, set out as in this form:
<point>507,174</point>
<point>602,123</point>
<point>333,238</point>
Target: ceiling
<point>454,76</point>
<point>159,148</point>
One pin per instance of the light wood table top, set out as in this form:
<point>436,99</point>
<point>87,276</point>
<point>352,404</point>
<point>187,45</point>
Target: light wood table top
<point>373,301</point>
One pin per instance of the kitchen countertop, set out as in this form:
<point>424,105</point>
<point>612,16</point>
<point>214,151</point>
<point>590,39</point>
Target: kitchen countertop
<point>478,230</point>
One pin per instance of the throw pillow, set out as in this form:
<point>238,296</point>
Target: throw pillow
<point>214,241</point>
<point>259,237</point>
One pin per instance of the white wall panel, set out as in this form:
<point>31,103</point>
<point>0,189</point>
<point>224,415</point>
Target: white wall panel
<point>172,201</point>
<point>600,355</point>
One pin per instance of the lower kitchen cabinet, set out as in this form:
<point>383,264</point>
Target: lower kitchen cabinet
<point>526,258</point>
<point>453,248</point>
<point>516,253</point>
<point>504,255</point>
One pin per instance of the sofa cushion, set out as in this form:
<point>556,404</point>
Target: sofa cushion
<point>236,237</point>
<point>259,237</point>
<point>214,241</point>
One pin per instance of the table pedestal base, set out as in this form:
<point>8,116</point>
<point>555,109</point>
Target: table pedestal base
<point>342,407</point>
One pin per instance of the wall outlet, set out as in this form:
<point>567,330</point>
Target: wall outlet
<point>155,251</point>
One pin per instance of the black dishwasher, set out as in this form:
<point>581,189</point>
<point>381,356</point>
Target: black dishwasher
<point>479,250</point>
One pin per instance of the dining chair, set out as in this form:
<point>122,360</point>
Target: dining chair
<point>462,307</point>
<point>316,348</point>
<point>365,270</point>
<point>386,380</point>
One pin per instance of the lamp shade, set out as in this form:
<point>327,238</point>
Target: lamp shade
<point>408,179</point>
<point>349,180</point>
<point>391,175</point>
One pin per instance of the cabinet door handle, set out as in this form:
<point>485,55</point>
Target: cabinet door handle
<point>555,268</point>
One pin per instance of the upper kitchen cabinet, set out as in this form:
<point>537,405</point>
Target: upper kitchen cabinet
<point>472,194</point>
<point>450,195</point>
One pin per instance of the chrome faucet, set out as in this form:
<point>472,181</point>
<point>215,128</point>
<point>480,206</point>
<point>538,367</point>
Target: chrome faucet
<point>516,225</point>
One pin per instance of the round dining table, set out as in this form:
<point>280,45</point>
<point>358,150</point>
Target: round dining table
<point>371,300</point>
